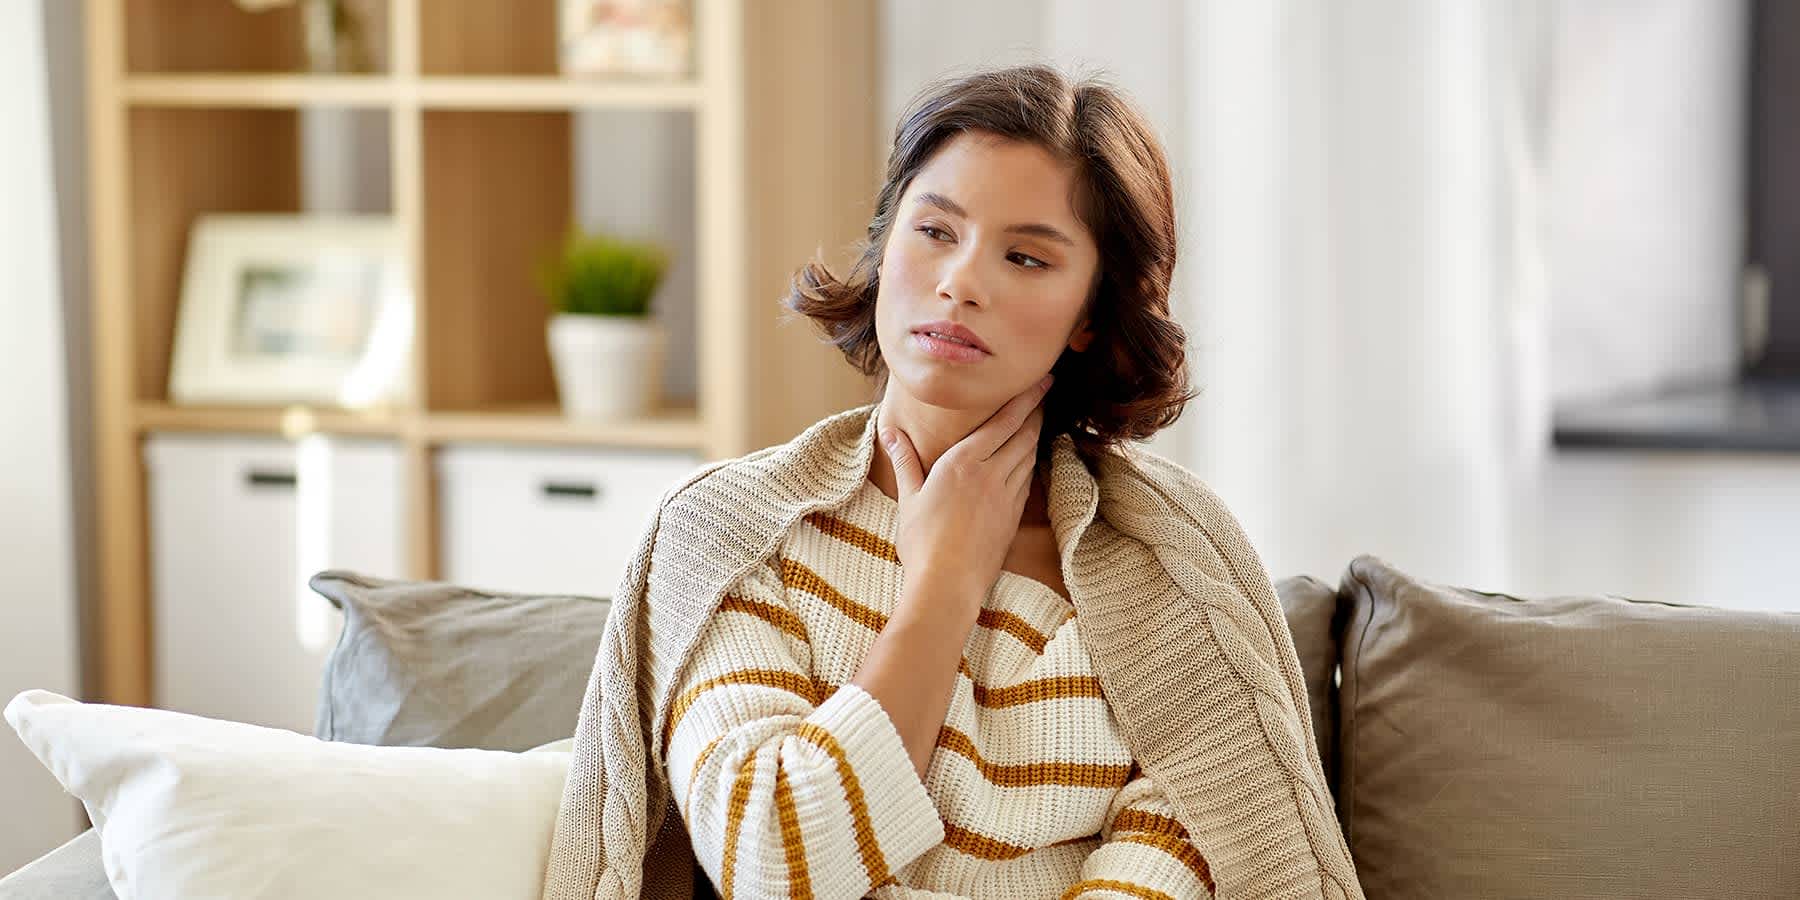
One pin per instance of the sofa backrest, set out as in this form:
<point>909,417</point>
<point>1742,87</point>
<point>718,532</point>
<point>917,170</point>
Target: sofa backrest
<point>1479,745</point>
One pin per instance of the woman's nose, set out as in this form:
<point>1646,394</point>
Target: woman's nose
<point>960,280</point>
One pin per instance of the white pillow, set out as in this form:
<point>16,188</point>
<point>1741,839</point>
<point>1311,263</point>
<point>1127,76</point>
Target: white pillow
<point>191,807</point>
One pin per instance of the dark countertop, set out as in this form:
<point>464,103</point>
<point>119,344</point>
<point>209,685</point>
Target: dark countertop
<point>1759,416</point>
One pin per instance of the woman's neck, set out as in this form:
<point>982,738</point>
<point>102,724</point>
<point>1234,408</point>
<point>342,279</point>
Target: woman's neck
<point>933,430</point>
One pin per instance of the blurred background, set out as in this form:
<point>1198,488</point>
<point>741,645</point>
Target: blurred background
<point>1506,292</point>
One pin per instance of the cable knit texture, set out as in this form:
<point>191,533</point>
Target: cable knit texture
<point>718,699</point>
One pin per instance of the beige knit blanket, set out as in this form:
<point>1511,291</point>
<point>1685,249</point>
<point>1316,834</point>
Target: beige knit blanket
<point>1187,637</point>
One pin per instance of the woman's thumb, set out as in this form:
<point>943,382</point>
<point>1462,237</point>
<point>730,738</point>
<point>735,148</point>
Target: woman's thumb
<point>906,462</point>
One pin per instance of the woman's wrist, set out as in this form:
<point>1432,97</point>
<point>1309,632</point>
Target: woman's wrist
<point>940,594</point>
<point>911,668</point>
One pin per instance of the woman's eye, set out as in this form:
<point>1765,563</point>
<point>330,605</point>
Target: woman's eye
<point>935,233</point>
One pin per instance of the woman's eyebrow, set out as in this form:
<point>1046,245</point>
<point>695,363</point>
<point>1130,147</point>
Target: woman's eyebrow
<point>1038,229</point>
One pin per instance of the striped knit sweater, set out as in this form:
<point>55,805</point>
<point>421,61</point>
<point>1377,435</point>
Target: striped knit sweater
<point>794,783</point>
<point>1175,614</point>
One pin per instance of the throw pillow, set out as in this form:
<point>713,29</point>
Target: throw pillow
<point>1572,747</point>
<point>428,664</point>
<point>189,807</point>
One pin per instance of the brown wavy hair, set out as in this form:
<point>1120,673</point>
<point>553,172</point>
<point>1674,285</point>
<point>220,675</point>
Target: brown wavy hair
<point>1132,380</point>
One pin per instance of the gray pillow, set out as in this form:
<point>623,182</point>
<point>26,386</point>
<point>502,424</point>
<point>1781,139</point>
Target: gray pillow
<point>1311,608</point>
<point>428,664</point>
<point>1571,747</point>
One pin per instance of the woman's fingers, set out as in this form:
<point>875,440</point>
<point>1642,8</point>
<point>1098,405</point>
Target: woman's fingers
<point>908,476</point>
<point>1020,450</point>
<point>1019,479</point>
<point>987,439</point>
<point>960,521</point>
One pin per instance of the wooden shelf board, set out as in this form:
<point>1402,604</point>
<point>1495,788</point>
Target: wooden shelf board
<point>675,428</point>
<point>549,92</point>
<point>227,90</point>
<point>286,421</point>
<point>431,91</point>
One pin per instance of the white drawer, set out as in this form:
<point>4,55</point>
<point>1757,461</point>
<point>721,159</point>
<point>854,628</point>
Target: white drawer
<point>237,526</point>
<point>550,521</point>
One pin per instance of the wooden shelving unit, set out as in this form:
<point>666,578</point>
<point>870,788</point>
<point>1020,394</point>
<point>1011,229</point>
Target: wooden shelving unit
<point>194,108</point>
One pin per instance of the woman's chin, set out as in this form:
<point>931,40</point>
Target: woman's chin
<point>945,389</point>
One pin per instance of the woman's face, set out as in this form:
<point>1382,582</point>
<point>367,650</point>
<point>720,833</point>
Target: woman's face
<point>984,238</point>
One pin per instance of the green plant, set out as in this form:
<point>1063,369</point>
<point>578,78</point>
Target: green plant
<point>597,274</point>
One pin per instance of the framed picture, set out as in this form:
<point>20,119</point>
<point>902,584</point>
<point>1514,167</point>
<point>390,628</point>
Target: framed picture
<point>626,37</point>
<point>294,309</point>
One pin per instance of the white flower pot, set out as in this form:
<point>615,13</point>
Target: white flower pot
<point>607,367</point>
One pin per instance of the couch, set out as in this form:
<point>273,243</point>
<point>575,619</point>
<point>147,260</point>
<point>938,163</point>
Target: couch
<point>1479,745</point>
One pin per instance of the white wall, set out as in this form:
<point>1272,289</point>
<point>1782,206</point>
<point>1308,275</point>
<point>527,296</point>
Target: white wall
<point>38,608</point>
<point>1706,528</point>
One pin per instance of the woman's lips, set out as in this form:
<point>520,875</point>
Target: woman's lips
<point>949,351</point>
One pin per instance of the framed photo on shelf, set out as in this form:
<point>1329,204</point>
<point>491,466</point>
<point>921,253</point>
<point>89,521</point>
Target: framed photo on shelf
<point>280,309</point>
<point>649,38</point>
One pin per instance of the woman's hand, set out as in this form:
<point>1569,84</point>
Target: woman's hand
<point>952,533</point>
<point>956,525</point>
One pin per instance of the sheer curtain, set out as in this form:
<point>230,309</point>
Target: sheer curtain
<point>1364,278</point>
<point>1360,274</point>
<point>1409,226</point>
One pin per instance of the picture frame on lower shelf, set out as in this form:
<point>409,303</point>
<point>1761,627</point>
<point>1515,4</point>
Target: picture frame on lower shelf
<point>280,309</point>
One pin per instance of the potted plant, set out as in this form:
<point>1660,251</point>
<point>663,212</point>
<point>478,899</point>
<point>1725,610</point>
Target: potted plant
<point>605,350</point>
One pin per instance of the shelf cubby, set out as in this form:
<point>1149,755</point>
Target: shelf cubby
<point>487,37</point>
<point>186,163</point>
<point>189,36</point>
<point>497,196</point>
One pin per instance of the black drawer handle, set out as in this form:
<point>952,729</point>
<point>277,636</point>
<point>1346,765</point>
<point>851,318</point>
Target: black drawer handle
<point>573,490</point>
<point>264,478</point>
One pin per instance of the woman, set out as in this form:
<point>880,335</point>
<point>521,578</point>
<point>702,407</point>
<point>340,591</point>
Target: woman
<point>970,643</point>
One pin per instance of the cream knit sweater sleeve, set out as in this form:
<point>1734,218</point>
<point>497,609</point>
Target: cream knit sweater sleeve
<point>786,793</point>
<point>1146,852</point>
